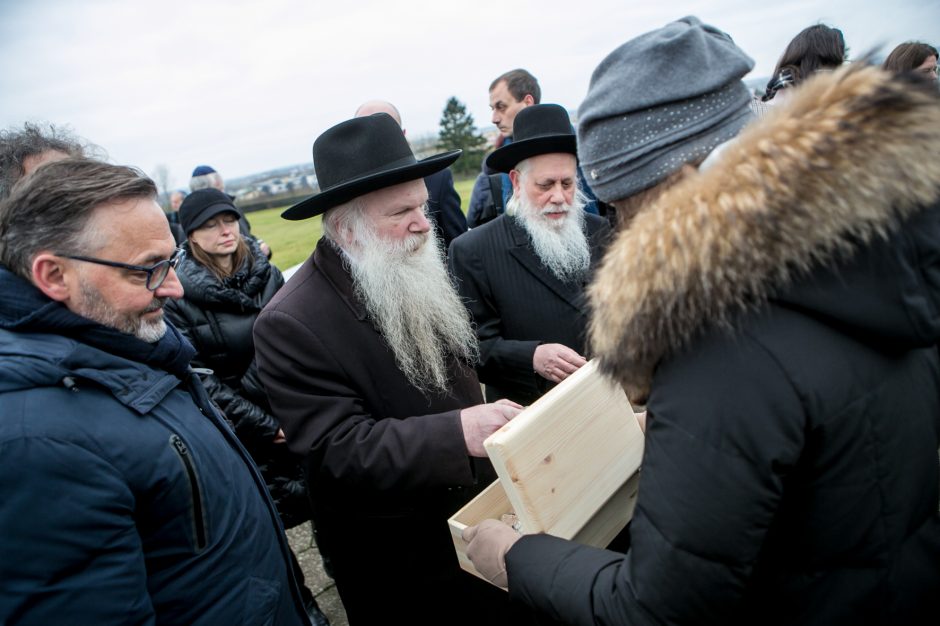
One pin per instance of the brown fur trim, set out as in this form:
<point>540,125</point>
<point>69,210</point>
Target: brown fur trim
<point>850,155</point>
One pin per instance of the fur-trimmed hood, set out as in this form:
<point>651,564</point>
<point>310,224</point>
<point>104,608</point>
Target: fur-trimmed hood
<point>850,157</point>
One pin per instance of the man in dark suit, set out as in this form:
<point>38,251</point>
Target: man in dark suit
<point>443,200</point>
<point>366,357</point>
<point>523,274</point>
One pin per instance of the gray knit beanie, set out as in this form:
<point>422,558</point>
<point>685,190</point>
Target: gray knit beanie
<point>664,99</point>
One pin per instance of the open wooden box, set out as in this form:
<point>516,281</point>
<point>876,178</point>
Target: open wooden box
<point>567,465</point>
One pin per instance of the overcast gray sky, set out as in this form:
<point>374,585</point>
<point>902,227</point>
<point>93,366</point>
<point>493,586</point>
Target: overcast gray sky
<point>248,86</point>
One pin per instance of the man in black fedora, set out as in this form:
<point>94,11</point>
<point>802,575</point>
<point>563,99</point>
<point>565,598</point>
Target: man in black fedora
<point>366,355</point>
<point>443,200</point>
<point>523,274</point>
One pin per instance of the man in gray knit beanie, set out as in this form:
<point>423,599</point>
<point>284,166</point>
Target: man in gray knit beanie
<point>659,101</point>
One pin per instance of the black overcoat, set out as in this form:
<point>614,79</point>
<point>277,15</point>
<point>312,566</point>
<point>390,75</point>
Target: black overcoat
<point>386,464</point>
<point>444,206</point>
<point>517,304</point>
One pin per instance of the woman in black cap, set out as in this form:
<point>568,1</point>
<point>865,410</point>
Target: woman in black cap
<point>227,281</point>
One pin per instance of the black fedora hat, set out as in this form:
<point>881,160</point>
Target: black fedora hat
<point>361,155</point>
<point>537,129</point>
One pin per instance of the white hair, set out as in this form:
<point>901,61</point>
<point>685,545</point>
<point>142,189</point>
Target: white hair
<point>212,180</point>
<point>340,221</point>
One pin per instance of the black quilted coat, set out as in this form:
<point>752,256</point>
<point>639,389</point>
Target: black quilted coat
<point>217,317</point>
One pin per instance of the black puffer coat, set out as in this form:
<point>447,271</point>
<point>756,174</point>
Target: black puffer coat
<point>217,317</point>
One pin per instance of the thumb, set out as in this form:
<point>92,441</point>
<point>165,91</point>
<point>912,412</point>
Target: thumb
<point>469,533</point>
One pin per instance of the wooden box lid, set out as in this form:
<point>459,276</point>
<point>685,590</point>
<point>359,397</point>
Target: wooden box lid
<point>564,456</point>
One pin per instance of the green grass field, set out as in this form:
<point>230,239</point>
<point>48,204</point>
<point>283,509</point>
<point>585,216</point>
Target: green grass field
<point>292,242</point>
<point>464,187</point>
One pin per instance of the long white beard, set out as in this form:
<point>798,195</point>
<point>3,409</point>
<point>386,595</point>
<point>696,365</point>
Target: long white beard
<point>560,244</point>
<point>408,293</point>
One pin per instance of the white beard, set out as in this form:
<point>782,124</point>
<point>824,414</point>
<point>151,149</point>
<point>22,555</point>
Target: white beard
<point>560,244</point>
<point>408,293</point>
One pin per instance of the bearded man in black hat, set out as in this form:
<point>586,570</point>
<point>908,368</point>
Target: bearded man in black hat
<point>366,355</point>
<point>523,274</point>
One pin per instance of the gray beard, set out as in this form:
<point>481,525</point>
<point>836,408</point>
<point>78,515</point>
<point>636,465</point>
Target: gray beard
<point>94,307</point>
<point>561,247</point>
<point>409,296</point>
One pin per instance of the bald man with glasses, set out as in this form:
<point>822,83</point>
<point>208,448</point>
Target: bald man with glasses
<point>117,473</point>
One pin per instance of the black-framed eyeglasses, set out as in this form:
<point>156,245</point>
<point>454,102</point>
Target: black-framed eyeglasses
<point>156,273</point>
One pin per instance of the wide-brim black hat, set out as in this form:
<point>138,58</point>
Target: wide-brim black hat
<point>537,129</point>
<point>361,155</point>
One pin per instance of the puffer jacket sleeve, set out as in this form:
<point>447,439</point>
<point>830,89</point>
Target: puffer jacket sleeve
<point>69,546</point>
<point>724,428</point>
<point>253,424</point>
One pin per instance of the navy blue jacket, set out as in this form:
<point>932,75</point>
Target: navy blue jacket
<point>125,497</point>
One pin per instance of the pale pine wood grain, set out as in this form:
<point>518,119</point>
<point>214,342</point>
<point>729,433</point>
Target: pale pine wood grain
<point>567,465</point>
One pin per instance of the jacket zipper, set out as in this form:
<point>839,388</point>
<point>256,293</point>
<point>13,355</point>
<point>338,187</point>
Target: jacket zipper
<point>198,523</point>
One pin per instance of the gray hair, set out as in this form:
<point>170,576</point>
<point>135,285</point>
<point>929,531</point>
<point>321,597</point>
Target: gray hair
<point>212,180</point>
<point>17,145</point>
<point>51,209</point>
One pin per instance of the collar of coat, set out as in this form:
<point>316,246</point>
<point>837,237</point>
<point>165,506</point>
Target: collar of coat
<point>851,155</point>
<point>333,264</point>
<point>238,292</point>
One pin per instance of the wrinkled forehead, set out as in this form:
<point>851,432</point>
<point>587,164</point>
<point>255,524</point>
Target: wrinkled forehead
<point>554,166</point>
<point>132,230</point>
<point>392,199</point>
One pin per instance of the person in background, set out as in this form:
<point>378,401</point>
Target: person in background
<point>24,150</point>
<point>774,305</point>
<point>913,56</point>
<point>126,497</point>
<point>443,200</point>
<point>205,177</point>
<point>815,48</point>
<point>509,93</point>
<point>173,216</point>
<point>226,282</point>
<point>176,200</point>
<point>522,275</point>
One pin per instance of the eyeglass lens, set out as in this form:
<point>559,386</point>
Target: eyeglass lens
<point>162,269</point>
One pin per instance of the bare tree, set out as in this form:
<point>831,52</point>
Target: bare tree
<point>161,176</point>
